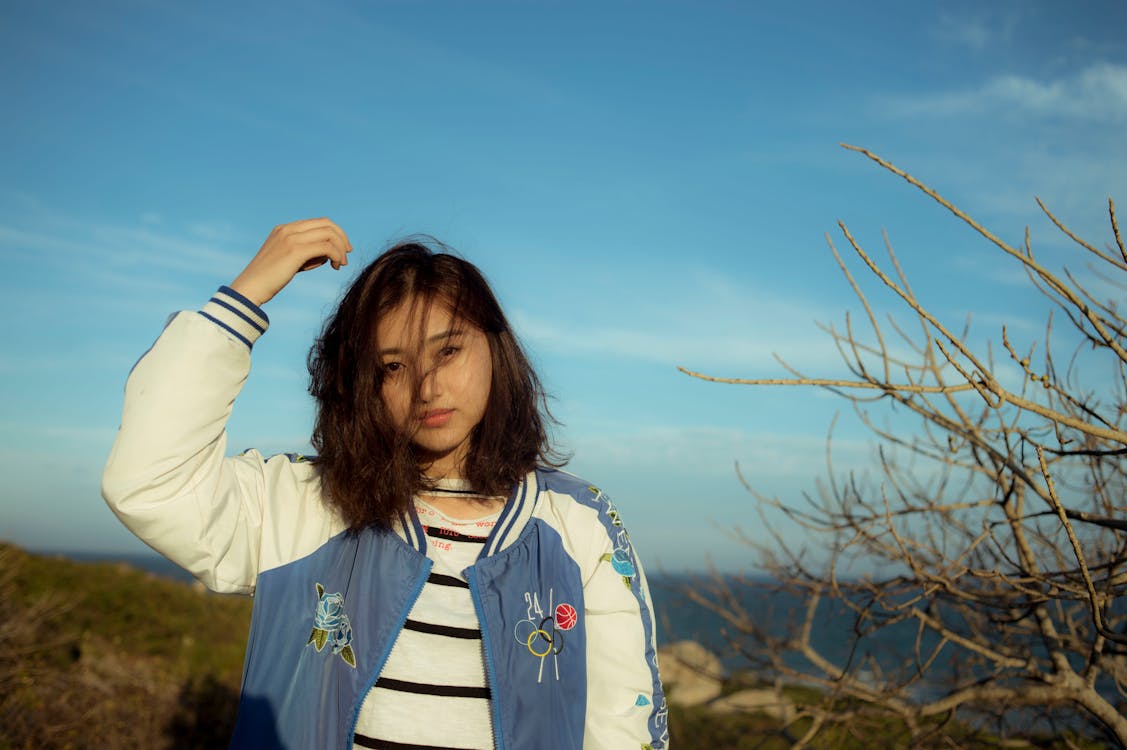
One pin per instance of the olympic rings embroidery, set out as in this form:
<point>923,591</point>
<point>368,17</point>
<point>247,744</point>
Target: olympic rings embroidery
<point>545,637</point>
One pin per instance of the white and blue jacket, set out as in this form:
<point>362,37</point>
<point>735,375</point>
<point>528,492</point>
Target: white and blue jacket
<point>566,618</point>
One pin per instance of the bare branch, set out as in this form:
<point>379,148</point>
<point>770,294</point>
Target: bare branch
<point>828,382</point>
<point>1115,229</point>
<point>1121,264</point>
<point>1045,275</point>
<point>1009,605</point>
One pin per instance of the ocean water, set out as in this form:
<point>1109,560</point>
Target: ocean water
<point>779,613</point>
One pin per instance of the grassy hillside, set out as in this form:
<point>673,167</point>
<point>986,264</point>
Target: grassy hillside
<point>103,655</point>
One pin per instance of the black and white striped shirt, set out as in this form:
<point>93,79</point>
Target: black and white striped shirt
<point>432,693</point>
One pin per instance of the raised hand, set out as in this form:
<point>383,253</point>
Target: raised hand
<point>291,248</point>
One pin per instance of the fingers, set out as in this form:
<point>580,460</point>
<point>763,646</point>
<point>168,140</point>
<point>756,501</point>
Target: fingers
<point>319,242</point>
<point>306,225</point>
<point>289,249</point>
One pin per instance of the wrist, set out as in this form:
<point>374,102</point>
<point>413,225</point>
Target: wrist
<point>240,316</point>
<point>249,291</point>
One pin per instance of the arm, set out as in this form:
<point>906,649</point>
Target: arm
<point>167,478</point>
<point>625,701</point>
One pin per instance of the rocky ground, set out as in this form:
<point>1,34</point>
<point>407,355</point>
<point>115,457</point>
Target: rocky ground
<point>693,676</point>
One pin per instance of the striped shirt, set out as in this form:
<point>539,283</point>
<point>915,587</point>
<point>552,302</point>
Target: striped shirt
<point>432,693</point>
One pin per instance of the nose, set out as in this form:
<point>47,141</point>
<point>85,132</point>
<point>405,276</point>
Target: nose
<point>429,386</point>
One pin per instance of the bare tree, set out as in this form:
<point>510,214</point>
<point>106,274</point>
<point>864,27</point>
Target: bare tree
<point>993,532</point>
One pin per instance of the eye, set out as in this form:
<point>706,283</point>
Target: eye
<point>449,351</point>
<point>391,368</point>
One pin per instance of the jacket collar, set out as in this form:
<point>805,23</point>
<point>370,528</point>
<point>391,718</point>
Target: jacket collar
<point>514,517</point>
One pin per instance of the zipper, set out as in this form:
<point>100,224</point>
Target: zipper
<point>490,673</point>
<point>418,589</point>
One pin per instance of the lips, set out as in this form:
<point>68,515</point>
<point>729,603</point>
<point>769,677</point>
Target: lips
<point>435,417</point>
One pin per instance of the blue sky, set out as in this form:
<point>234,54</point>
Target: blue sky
<point>646,185</point>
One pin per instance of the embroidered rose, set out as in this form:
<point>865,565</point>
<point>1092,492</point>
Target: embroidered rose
<point>621,558</point>
<point>620,561</point>
<point>342,636</point>
<point>331,625</point>
<point>330,608</point>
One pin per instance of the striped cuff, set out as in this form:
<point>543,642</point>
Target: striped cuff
<point>237,315</point>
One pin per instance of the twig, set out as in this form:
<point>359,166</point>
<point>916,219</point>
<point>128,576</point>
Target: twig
<point>831,383</point>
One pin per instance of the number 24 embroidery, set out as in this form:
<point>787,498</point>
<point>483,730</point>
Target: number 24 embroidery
<point>543,635</point>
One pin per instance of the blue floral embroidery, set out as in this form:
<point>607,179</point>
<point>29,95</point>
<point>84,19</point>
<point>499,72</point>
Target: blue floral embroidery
<point>342,636</point>
<point>620,561</point>
<point>622,558</point>
<point>331,624</point>
<point>330,609</point>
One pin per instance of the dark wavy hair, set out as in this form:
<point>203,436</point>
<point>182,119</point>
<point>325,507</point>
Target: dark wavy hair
<point>368,468</point>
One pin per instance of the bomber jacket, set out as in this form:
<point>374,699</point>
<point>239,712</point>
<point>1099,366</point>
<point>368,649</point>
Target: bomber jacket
<point>566,617</point>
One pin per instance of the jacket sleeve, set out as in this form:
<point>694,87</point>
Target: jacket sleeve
<point>625,701</point>
<point>166,477</point>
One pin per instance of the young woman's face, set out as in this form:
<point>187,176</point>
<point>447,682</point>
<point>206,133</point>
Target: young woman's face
<point>437,373</point>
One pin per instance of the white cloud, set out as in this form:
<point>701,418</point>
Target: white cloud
<point>977,33</point>
<point>979,28</point>
<point>713,452</point>
<point>25,364</point>
<point>116,246</point>
<point>1097,94</point>
<point>652,345</point>
<point>715,327</point>
<point>145,261</point>
<point>68,434</point>
<point>701,319</point>
<point>163,250</point>
<point>997,151</point>
<point>216,231</point>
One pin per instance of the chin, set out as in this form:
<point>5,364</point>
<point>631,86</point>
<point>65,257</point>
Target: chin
<point>435,453</point>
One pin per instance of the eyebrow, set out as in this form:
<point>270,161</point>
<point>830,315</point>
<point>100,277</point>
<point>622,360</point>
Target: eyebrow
<point>453,332</point>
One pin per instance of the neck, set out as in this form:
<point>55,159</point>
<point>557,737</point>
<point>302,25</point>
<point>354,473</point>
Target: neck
<point>449,484</point>
<point>437,466</point>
